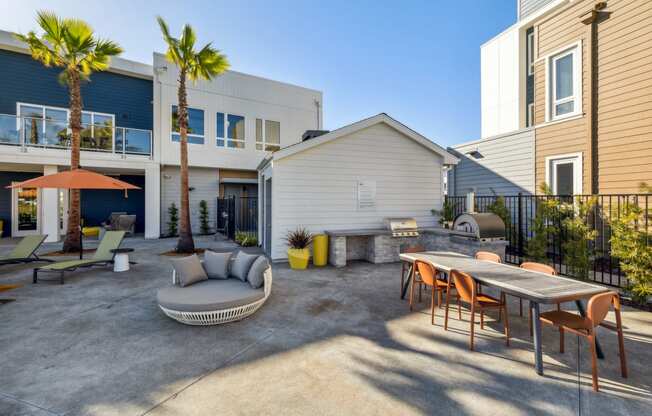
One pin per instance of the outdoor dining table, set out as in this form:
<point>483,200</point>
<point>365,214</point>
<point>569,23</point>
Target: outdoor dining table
<point>538,288</point>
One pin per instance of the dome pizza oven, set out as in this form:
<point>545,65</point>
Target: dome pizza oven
<point>485,226</point>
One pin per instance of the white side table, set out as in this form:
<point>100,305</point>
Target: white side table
<point>121,259</point>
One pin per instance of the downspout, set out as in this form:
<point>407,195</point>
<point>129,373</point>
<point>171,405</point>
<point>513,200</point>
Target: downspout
<point>591,20</point>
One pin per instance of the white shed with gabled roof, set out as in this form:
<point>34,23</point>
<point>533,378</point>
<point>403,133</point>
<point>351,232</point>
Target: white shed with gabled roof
<point>350,178</point>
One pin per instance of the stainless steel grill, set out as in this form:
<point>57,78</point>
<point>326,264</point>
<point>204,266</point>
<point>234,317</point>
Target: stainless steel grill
<point>485,226</point>
<point>402,227</point>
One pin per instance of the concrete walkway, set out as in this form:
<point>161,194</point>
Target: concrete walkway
<point>328,342</point>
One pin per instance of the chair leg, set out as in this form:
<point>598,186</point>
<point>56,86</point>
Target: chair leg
<point>459,308</point>
<point>481,318</point>
<point>420,291</point>
<point>402,277</point>
<point>520,307</point>
<point>621,344</point>
<point>448,298</point>
<point>440,297</point>
<point>561,339</point>
<point>594,361</point>
<point>412,284</point>
<point>432,305</point>
<point>529,319</point>
<point>472,325</point>
<point>35,276</point>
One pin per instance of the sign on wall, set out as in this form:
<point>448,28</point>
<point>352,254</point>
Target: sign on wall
<point>366,194</point>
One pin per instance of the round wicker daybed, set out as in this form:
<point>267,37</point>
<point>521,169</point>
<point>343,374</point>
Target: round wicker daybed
<point>213,301</point>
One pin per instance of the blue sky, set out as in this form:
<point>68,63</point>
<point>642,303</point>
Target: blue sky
<point>419,62</point>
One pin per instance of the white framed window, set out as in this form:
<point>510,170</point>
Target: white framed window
<point>564,83</point>
<point>564,174</point>
<point>530,115</point>
<point>195,125</point>
<point>49,126</point>
<point>530,53</point>
<point>268,135</point>
<point>234,127</point>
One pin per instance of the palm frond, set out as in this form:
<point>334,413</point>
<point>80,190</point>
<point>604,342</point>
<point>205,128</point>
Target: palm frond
<point>78,36</point>
<point>187,41</point>
<point>172,54</point>
<point>52,27</point>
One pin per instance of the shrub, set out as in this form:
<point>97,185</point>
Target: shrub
<point>578,235</point>
<point>173,221</point>
<point>447,212</point>
<point>299,238</point>
<point>204,226</point>
<point>544,226</point>
<point>245,240</point>
<point>499,208</point>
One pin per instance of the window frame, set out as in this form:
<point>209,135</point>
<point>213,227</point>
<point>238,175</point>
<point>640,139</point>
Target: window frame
<point>44,108</point>
<point>529,52</point>
<point>578,173</point>
<point>530,115</point>
<point>226,140</point>
<point>264,143</point>
<point>172,132</point>
<point>575,50</point>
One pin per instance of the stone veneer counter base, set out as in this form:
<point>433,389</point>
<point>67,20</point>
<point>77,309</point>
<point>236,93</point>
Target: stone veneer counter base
<point>378,245</point>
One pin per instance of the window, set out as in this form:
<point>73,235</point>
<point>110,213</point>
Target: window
<point>195,125</point>
<point>268,135</point>
<point>530,53</point>
<point>565,83</point>
<point>234,126</point>
<point>530,115</point>
<point>564,174</point>
<point>49,126</point>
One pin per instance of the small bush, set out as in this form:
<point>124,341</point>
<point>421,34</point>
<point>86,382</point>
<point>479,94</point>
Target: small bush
<point>173,221</point>
<point>299,238</point>
<point>245,240</point>
<point>204,226</point>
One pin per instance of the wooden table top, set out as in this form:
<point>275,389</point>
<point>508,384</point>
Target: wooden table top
<point>527,284</point>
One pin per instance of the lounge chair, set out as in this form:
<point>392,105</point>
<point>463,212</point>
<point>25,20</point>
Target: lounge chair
<point>103,256</point>
<point>25,251</point>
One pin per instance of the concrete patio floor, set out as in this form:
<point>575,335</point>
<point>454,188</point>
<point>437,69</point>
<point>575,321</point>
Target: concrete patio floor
<point>328,342</point>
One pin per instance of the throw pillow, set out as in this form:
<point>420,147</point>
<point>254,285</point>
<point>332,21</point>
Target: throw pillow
<point>242,264</point>
<point>217,264</point>
<point>256,275</point>
<point>189,270</point>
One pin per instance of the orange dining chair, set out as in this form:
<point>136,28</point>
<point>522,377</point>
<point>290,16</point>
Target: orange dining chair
<point>541,268</point>
<point>466,288</point>
<point>487,256</point>
<point>596,312</point>
<point>405,264</point>
<point>427,275</point>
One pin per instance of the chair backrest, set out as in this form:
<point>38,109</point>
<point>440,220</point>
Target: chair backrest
<point>488,256</point>
<point>414,249</point>
<point>427,272</point>
<point>464,284</point>
<point>27,246</point>
<point>110,241</point>
<point>539,267</point>
<point>126,223</point>
<point>113,218</point>
<point>599,305</point>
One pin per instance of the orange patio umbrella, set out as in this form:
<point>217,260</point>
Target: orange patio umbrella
<point>75,179</point>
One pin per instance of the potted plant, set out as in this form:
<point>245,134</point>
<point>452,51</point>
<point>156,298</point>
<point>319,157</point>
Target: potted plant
<point>298,251</point>
<point>446,214</point>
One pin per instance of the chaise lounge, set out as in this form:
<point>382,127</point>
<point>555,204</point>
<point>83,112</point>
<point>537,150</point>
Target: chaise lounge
<point>235,292</point>
<point>102,256</point>
<point>25,251</point>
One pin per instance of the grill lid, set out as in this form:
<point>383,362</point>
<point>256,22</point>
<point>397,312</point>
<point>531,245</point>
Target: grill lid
<point>402,227</point>
<point>485,226</point>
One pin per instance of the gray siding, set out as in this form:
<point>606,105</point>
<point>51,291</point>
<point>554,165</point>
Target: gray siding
<point>206,186</point>
<point>505,167</point>
<point>527,7</point>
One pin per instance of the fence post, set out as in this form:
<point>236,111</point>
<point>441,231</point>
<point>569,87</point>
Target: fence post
<point>520,225</point>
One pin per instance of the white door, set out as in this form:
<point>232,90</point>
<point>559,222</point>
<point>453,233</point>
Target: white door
<point>63,210</point>
<point>25,211</point>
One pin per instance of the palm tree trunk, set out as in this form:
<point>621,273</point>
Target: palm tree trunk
<point>185,243</point>
<point>73,236</point>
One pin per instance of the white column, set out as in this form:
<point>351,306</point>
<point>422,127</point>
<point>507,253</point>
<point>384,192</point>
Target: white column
<point>153,201</point>
<point>50,208</point>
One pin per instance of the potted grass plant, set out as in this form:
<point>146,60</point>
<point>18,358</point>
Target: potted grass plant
<point>298,252</point>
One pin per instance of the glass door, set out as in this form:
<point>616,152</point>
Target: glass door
<point>63,211</point>
<point>25,213</point>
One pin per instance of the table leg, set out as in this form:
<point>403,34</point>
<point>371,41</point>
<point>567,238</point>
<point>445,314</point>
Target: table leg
<point>406,284</point>
<point>582,310</point>
<point>536,325</point>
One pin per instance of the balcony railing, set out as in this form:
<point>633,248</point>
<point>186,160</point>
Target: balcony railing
<point>47,133</point>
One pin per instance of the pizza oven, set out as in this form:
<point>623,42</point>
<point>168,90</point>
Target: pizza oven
<point>484,226</point>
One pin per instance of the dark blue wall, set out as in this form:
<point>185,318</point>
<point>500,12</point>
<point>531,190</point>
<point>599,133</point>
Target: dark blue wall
<point>23,79</point>
<point>98,204</point>
<point>6,178</point>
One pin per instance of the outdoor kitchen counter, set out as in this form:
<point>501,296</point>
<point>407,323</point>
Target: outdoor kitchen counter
<point>376,245</point>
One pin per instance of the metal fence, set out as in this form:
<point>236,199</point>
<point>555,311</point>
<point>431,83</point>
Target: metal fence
<point>522,213</point>
<point>237,215</point>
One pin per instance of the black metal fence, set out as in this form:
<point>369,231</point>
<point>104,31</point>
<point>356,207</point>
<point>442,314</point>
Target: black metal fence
<point>237,215</point>
<point>519,228</point>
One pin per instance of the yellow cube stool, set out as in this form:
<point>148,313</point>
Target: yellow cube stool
<point>91,231</point>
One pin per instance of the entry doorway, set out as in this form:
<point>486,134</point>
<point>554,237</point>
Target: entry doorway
<point>240,190</point>
<point>267,195</point>
<point>25,211</point>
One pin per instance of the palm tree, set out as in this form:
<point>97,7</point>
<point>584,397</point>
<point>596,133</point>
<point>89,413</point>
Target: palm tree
<point>70,44</point>
<point>206,63</point>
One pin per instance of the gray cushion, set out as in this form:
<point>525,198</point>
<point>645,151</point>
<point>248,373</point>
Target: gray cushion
<point>209,295</point>
<point>217,264</point>
<point>189,270</point>
<point>242,264</point>
<point>256,275</point>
